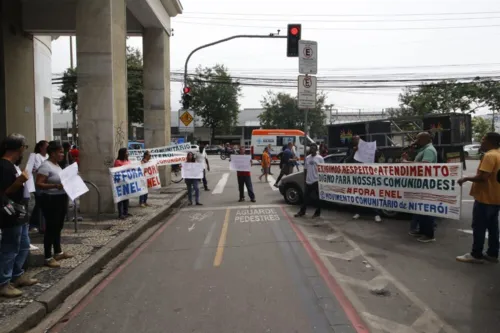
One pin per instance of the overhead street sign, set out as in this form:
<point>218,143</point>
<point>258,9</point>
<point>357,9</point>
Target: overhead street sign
<point>186,121</point>
<point>308,57</point>
<point>307,86</point>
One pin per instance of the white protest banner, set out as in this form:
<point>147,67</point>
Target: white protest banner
<point>416,188</point>
<point>162,159</point>
<point>152,175</point>
<point>127,182</point>
<point>192,170</point>
<point>29,187</point>
<point>366,151</point>
<point>160,152</point>
<point>240,163</point>
<point>72,183</point>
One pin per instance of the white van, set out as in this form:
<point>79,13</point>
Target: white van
<point>277,138</point>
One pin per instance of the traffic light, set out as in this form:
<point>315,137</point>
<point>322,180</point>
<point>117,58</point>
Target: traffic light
<point>186,98</point>
<point>292,40</point>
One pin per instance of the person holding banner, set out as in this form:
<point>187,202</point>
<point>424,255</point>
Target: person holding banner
<point>192,183</point>
<point>486,192</point>
<point>143,199</point>
<point>122,160</point>
<point>245,179</point>
<point>312,182</point>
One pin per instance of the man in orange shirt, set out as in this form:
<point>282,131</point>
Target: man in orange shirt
<point>486,192</point>
<point>266,164</point>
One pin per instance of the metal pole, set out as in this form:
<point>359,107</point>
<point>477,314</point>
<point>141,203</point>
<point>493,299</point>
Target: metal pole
<point>71,52</point>
<point>493,120</point>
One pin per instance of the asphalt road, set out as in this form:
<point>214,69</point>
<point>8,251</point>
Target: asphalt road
<point>224,268</point>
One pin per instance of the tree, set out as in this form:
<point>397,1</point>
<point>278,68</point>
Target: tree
<point>135,89</point>
<point>480,127</point>
<point>69,99</point>
<point>281,111</point>
<point>215,98</point>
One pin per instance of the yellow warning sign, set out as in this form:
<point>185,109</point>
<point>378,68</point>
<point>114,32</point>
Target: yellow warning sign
<point>186,118</point>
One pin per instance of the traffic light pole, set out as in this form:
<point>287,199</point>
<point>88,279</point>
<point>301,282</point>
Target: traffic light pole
<point>219,42</point>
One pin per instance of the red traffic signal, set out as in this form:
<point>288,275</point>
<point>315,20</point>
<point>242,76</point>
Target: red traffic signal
<point>294,31</point>
<point>187,90</point>
<point>293,37</point>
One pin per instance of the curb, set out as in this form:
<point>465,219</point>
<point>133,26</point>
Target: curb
<point>35,312</point>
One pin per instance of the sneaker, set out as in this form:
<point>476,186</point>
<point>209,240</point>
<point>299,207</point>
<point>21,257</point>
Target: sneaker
<point>33,230</point>
<point>378,219</point>
<point>52,263</point>
<point>121,217</point>
<point>241,200</point>
<point>252,200</point>
<point>468,258</point>
<point>24,281</point>
<point>33,247</point>
<point>276,185</point>
<point>9,291</point>
<point>415,233</point>
<point>425,239</point>
<point>128,215</point>
<point>190,203</point>
<point>199,204</point>
<point>315,216</point>
<point>299,214</point>
<point>62,256</point>
<point>493,260</point>
<point>143,206</point>
<point>207,189</point>
<point>357,216</point>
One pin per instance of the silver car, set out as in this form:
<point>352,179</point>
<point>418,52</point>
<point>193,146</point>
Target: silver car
<point>292,186</point>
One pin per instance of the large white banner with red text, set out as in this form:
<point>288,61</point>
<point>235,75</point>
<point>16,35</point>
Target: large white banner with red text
<point>416,188</point>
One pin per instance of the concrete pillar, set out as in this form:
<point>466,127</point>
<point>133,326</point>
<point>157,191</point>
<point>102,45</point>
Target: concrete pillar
<point>156,55</point>
<point>102,93</point>
<point>17,79</point>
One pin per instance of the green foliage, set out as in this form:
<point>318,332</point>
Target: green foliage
<point>480,127</point>
<point>215,98</point>
<point>281,111</point>
<point>448,97</point>
<point>135,93</point>
<point>69,99</point>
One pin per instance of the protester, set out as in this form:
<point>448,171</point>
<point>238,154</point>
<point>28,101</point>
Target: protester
<point>350,159</point>
<point>143,199</point>
<point>245,179</point>
<point>296,156</point>
<point>75,154</point>
<point>270,150</point>
<point>228,151</point>
<point>286,163</point>
<point>266,163</point>
<point>26,196</point>
<point>123,205</point>
<point>486,192</point>
<point>15,242</point>
<point>201,157</point>
<point>192,183</point>
<point>67,159</point>
<point>54,204</point>
<point>36,219</point>
<point>422,226</point>
<point>311,193</point>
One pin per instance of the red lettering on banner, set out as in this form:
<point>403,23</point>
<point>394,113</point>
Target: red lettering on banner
<point>445,171</point>
<point>389,194</point>
<point>149,171</point>
<point>361,191</point>
<point>153,182</point>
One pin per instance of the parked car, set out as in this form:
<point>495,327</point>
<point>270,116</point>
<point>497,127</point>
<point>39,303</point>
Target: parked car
<point>292,186</point>
<point>213,150</point>
<point>472,150</point>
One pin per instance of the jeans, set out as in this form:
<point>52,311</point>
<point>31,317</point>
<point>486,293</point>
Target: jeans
<point>485,218</point>
<point>424,224</point>
<point>205,184</point>
<point>245,181</point>
<point>123,208</point>
<point>285,171</point>
<point>311,196</point>
<point>54,208</point>
<point>143,199</point>
<point>14,249</point>
<point>193,183</point>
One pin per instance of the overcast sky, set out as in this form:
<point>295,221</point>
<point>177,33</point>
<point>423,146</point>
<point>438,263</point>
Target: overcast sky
<point>358,39</point>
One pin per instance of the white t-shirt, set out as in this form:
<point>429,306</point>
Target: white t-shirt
<point>26,191</point>
<point>200,158</point>
<point>39,159</point>
<point>311,166</point>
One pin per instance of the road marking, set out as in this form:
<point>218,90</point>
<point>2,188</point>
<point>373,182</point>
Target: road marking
<point>271,181</point>
<point>200,209</point>
<point>199,216</point>
<point>328,237</point>
<point>191,228</point>
<point>222,240</point>
<point>470,232</point>
<point>348,256</point>
<point>208,238</point>
<point>219,188</point>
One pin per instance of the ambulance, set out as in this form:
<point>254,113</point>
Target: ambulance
<point>277,138</point>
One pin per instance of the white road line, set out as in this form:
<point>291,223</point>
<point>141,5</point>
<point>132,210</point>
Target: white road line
<point>470,232</point>
<point>219,188</point>
<point>271,181</point>
<point>198,262</point>
<point>201,209</point>
<point>349,255</point>
<point>432,320</point>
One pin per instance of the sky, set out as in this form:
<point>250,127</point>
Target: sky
<point>357,40</point>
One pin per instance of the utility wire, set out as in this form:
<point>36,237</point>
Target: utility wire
<point>345,15</point>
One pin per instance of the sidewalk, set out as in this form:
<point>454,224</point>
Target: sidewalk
<point>95,244</point>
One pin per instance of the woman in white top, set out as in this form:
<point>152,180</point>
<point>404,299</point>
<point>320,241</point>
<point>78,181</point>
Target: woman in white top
<point>36,220</point>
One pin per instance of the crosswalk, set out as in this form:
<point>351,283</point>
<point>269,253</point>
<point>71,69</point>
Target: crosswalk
<point>224,181</point>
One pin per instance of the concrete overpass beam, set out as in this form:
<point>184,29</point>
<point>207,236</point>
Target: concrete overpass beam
<point>156,55</point>
<point>102,92</point>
